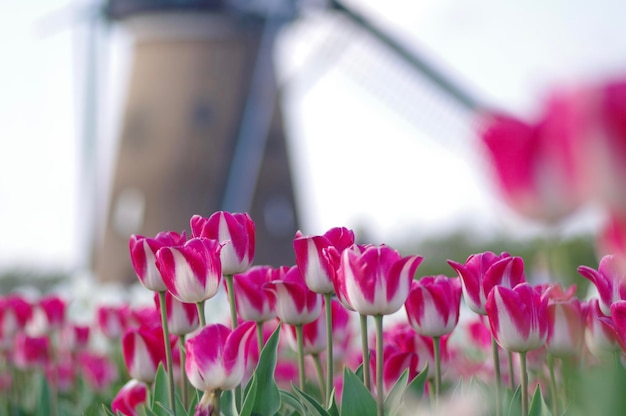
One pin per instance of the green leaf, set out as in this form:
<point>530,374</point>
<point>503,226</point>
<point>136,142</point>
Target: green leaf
<point>313,407</point>
<point>292,400</point>
<point>106,410</point>
<point>43,401</point>
<point>160,408</point>
<point>393,401</point>
<point>227,403</point>
<point>538,406</point>
<point>333,410</point>
<point>160,392</point>
<point>262,396</point>
<point>415,388</point>
<point>356,399</point>
<point>515,404</point>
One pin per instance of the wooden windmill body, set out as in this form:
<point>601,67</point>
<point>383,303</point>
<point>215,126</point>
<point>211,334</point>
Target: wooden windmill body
<point>193,66</point>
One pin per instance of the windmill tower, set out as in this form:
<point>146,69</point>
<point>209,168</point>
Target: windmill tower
<point>201,123</point>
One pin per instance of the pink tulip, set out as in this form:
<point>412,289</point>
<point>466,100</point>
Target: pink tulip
<point>609,280</point>
<point>130,396</point>
<point>518,317</point>
<point>317,265</point>
<point>143,256</point>
<point>253,303</point>
<point>216,356</point>
<point>236,231</point>
<point>541,167</point>
<point>98,370</point>
<point>481,272</point>
<point>143,350</point>
<point>294,302</point>
<point>48,315</point>
<point>618,315</point>
<point>30,352</point>
<point>566,322</point>
<point>113,321</point>
<point>75,337</point>
<point>182,318</point>
<point>375,280</point>
<point>433,305</point>
<point>192,272</point>
<point>601,335</point>
<point>612,238</point>
<point>15,312</point>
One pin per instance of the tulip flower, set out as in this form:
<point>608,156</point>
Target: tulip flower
<point>15,312</point>
<point>433,305</point>
<point>30,352</point>
<point>48,315</point>
<point>601,335</point>
<point>98,370</point>
<point>236,231</point>
<point>144,349</point>
<point>566,323</point>
<point>129,398</point>
<point>113,320</point>
<point>253,303</point>
<point>192,272</point>
<point>182,318</point>
<point>294,302</point>
<point>609,280</point>
<point>74,337</point>
<point>143,256</point>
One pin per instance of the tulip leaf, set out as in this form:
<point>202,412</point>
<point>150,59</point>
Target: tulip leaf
<point>415,388</point>
<point>393,401</point>
<point>162,409</point>
<point>227,403</point>
<point>107,411</point>
<point>333,410</point>
<point>313,407</point>
<point>292,400</point>
<point>160,393</point>
<point>538,406</point>
<point>515,404</point>
<point>262,396</point>
<point>43,401</point>
<point>356,399</point>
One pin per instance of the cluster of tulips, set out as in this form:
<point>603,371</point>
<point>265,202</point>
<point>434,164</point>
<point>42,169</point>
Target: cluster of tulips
<point>293,324</point>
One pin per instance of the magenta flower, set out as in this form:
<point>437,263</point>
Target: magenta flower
<point>30,352</point>
<point>74,337</point>
<point>375,280</point>
<point>48,315</point>
<point>98,370</point>
<point>15,312</point>
<point>294,303</point>
<point>433,305</point>
<point>254,303</point>
<point>518,317</point>
<point>618,315</point>
<point>609,280</point>
<point>191,272</point>
<point>144,349</point>
<point>317,257</point>
<point>236,231</point>
<point>182,318</point>
<point>601,335</point>
<point>143,256</point>
<point>566,322</point>
<point>481,272</point>
<point>130,396</point>
<point>113,321</point>
<point>216,356</point>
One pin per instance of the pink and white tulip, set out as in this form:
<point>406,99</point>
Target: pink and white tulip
<point>566,323</point>
<point>518,317</point>
<point>609,280</point>
<point>143,256</point>
<point>98,370</point>
<point>317,257</point>
<point>31,352</point>
<point>192,272</point>
<point>236,231</point>
<point>15,312</point>
<point>433,305</point>
<point>113,320</point>
<point>481,272</point>
<point>182,318</point>
<point>294,303</point>
<point>375,280</point>
<point>601,335</point>
<point>144,349</point>
<point>133,394</point>
<point>216,356</point>
<point>253,303</point>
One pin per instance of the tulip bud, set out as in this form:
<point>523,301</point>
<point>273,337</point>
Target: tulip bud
<point>142,254</point>
<point>433,305</point>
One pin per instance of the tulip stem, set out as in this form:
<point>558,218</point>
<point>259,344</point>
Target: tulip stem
<point>553,389</point>
<point>259,336</point>
<point>168,353</point>
<point>330,371</point>
<point>366,352</point>
<point>522,356</point>
<point>201,317</point>
<point>496,370</point>
<point>378,320</point>
<point>217,395</point>
<point>320,376</point>
<point>511,370</point>
<point>437,350</point>
<point>184,384</point>
<point>231,299</point>
<point>300,343</point>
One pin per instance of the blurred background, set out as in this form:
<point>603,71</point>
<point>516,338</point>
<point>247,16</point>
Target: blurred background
<point>126,117</point>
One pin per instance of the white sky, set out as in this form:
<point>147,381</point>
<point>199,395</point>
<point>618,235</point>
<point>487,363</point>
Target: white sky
<point>399,181</point>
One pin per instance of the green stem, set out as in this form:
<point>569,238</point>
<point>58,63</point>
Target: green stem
<point>259,336</point>
<point>201,317</point>
<point>553,389</point>
<point>437,348</point>
<point>380,409</point>
<point>509,355</point>
<point>184,383</point>
<point>233,319</point>
<point>496,369</point>
<point>330,371</point>
<point>168,353</point>
<point>320,376</point>
<point>365,352</point>
<point>217,395</point>
<point>522,356</point>
<point>300,343</point>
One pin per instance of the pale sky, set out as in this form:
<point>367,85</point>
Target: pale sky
<point>400,181</point>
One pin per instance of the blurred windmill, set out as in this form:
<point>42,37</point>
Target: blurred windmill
<point>202,128</point>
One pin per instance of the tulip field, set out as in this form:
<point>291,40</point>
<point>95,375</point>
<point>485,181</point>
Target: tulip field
<point>355,328</point>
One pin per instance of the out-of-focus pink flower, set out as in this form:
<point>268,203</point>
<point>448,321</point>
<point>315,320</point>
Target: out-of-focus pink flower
<point>541,167</point>
<point>375,280</point>
<point>566,320</point>
<point>253,303</point>
<point>74,337</point>
<point>609,280</point>
<point>15,312</point>
<point>144,316</point>
<point>317,257</point>
<point>236,231</point>
<point>130,396</point>
<point>600,336</point>
<point>518,317</point>
<point>182,318</point>
<point>113,320</point>
<point>192,272</point>
<point>612,238</point>
<point>479,333</point>
<point>216,356</point>
<point>142,254</point>
<point>294,303</point>
<point>98,370</point>
<point>433,305</point>
<point>144,349</point>
<point>481,272</point>
<point>30,352</point>
<point>48,315</point>
<point>618,315</point>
